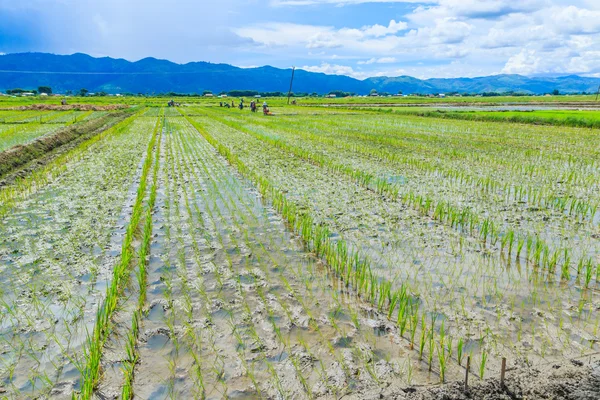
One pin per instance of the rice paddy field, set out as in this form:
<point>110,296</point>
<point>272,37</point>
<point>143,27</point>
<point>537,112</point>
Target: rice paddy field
<point>203,252</point>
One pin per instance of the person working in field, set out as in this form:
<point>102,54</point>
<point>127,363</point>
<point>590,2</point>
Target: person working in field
<point>266,109</point>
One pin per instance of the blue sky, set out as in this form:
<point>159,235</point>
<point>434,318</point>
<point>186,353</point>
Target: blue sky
<point>360,38</point>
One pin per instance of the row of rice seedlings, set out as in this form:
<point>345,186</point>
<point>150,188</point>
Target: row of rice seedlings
<point>464,220</point>
<point>192,340</point>
<point>236,212</point>
<point>121,273</point>
<point>141,273</point>
<point>23,187</point>
<point>261,294</point>
<point>185,173</point>
<point>173,271</point>
<point>336,255</point>
<point>177,175</point>
<point>232,322</point>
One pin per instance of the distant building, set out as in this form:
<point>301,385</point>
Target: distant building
<point>332,95</point>
<point>208,95</point>
<point>44,94</point>
<point>442,95</point>
<point>257,96</point>
<point>27,94</point>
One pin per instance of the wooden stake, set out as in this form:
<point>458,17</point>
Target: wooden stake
<point>467,373</point>
<point>502,371</point>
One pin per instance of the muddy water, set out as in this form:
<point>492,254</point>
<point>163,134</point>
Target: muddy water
<point>236,307</point>
<point>505,307</point>
<point>57,248</point>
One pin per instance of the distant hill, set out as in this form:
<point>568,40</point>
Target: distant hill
<point>150,75</point>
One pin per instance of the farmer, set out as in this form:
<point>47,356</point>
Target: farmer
<point>265,105</point>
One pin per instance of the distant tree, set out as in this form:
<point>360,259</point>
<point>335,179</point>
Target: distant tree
<point>68,92</point>
<point>242,93</point>
<point>399,91</point>
<point>16,91</point>
<point>314,94</point>
<point>45,89</point>
<point>272,94</point>
<point>83,92</point>
<point>373,91</point>
<point>555,92</point>
<point>206,92</point>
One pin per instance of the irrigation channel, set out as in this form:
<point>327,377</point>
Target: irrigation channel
<point>204,253</point>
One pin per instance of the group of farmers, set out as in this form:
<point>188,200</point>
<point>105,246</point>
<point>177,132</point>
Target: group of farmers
<point>253,106</point>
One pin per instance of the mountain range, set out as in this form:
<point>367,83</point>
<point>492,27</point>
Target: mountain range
<point>151,75</point>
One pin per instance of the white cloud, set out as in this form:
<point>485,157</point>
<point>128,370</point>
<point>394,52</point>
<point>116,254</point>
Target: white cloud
<point>524,62</point>
<point>332,69</point>
<point>379,30</point>
<point>573,20</point>
<point>381,60</point>
<point>445,30</point>
<point>284,34</point>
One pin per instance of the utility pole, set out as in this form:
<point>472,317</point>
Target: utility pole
<point>597,93</point>
<point>291,82</point>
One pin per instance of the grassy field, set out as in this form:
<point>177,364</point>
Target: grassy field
<point>557,117</point>
<point>204,252</point>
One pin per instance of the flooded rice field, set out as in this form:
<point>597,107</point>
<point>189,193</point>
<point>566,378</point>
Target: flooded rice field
<point>206,253</point>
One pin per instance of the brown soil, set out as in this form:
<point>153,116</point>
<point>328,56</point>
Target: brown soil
<point>573,380</point>
<point>68,107</point>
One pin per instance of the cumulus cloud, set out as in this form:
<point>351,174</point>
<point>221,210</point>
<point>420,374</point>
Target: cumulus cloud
<point>573,20</point>
<point>524,62</point>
